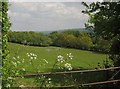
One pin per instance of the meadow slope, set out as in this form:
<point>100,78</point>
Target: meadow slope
<point>81,59</point>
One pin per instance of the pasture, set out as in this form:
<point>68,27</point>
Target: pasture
<point>81,60</point>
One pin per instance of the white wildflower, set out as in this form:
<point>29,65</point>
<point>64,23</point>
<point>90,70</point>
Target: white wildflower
<point>18,62</point>
<point>7,85</point>
<point>10,77</point>
<point>68,66</point>
<point>35,57</point>
<point>49,79</point>
<point>43,76</point>
<point>28,55</point>
<point>21,86</point>
<point>60,58</point>
<point>49,82</point>
<point>23,60</point>
<point>32,56</point>
<point>14,58</point>
<point>14,63</point>
<point>70,56</point>
<point>23,69</point>
<point>22,77</point>
<point>45,61</point>
<point>18,57</point>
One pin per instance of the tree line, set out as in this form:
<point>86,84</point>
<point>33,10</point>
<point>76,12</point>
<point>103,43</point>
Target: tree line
<point>68,39</point>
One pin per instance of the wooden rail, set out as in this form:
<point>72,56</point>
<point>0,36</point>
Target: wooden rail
<point>70,72</point>
<point>77,85</point>
<point>89,84</point>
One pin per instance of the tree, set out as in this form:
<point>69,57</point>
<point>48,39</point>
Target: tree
<point>54,35</point>
<point>101,45</point>
<point>84,42</point>
<point>105,20</point>
<point>104,17</point>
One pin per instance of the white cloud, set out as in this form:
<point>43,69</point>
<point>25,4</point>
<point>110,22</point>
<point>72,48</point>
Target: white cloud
<point>55,0</point>
<point>17,14</point>
<point>53,9</point>
<point>46,16</point>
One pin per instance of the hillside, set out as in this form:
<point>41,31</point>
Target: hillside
<point>81,58</point>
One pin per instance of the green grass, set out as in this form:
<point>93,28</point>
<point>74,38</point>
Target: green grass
<point>81,59</point>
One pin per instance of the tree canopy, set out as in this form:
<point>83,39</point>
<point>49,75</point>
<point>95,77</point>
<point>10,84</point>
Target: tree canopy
<point>105,21</point>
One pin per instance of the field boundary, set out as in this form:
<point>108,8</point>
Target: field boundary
<point>109,81</point>
<point>69,72</point>
<point>89,84</point>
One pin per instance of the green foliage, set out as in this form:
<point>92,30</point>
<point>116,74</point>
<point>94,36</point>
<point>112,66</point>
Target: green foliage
<point>54,36</point>
<point>74,33</point>
<point>6,72</point>
<point>84,42</point>
<point>73,39</point>
<point>105,20</point>
<point>29,38</point>
<point>115,51</point>
<point>105,17</point>
<point>101,44</point>
<point>64,40</point>
<point>68,39</point>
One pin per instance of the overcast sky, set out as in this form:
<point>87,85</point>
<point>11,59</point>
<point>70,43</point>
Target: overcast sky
<point>46,16</point>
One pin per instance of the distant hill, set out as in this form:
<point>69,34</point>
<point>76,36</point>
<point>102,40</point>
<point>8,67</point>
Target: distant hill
<point>78,29</point>
<point>59,31</point>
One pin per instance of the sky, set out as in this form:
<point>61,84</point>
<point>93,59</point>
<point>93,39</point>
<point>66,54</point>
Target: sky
<point>46,16</point>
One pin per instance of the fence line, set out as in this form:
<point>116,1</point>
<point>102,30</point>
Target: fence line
<point>89,84</point>
<point>69,72</point>
<point>78,85</point>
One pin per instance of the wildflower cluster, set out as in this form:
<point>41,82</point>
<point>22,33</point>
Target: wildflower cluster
<point>48,82</point>
<point>32,56</point>
<point>68,66</point>
<point>60,58</point>
<point>70,56</point>
<point>16,61</point>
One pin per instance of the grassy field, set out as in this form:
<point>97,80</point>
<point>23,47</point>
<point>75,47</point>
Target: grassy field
<point>81,60</point>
